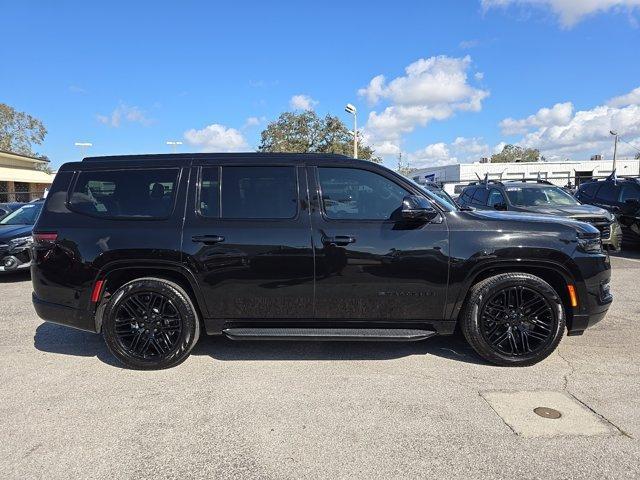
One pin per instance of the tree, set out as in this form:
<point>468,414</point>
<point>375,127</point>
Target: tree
<point>514,153</point>
<point>19,131</point>
<point>403,167</point>
<point>306,132</point>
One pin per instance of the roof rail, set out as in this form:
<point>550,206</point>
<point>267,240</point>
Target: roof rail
<point>486,182</point>
<point>537,180</point>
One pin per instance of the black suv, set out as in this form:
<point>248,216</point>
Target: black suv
<point>15,237</point>
<point>540,197</point>
<point>152,250</point>
<point>621,196</point>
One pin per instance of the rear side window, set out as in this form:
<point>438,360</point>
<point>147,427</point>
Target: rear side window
<point>144,193</point>
<point>495,197</point>
<point>629,192</point>
<point>608,192</point>
<point>259,192</point>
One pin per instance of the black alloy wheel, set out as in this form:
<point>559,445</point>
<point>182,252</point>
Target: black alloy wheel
<point>150,323</point>
<point>513,319</point>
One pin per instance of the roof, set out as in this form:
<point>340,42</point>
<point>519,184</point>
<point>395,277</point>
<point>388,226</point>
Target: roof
<point>24,175</point>
<point>19,156</point>
<point>221,156</point>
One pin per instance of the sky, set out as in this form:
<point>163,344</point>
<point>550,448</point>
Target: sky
<point>441,82</point>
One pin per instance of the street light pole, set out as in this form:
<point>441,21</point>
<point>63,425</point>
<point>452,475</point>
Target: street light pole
<point>353,111</point>
<point>615,147</point>
<point>174,145</point>
<point>83,147</point>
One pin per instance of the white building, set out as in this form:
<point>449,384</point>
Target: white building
<point>455,177</point>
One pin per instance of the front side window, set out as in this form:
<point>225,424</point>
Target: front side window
<point>140,193</point>
<point>259,192</point>
<point>480,197</point>
<point>608,192</point>
<point>467,195</point>
<point>589,190</point>
<point>350,193</point>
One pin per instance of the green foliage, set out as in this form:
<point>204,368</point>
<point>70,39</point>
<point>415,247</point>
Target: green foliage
<point>514,153</point>
<point>19,131</point>
<point>305,132</point>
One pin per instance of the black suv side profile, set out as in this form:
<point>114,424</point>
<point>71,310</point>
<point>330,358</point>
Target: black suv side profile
<point>620,196</point>
<point>543,198</point>
<point>152,250</point>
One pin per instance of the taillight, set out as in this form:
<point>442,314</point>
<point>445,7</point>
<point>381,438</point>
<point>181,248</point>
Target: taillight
<point>97,291</point>
<point>44,237</point>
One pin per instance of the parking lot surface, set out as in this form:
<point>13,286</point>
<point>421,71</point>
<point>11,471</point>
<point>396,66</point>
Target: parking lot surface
<point>318,410</point>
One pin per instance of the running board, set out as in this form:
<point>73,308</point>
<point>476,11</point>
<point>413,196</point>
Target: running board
<point>329,334</point>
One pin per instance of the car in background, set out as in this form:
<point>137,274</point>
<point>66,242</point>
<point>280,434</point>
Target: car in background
<point>15,237</point>
<point>438,191</point>
<point>541,197</point>
<point>621,197</point>
<point>8,207</point>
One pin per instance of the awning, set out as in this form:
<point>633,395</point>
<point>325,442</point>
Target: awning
<point>24,175</point>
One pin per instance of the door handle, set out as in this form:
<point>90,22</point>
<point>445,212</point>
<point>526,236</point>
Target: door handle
<point>339,240</point>
<point>208,239</point>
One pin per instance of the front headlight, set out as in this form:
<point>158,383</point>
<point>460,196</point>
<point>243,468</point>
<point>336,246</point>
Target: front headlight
<point>589,242</point>
<point>19,242</point>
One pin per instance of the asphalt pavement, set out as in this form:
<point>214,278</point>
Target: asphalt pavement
<point>296,410</point>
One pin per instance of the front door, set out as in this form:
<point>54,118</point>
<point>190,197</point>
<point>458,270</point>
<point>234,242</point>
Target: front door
<point>370,263</point>
<point>247,235</point>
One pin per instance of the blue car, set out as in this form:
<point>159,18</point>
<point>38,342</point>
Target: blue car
<point>15,237</point>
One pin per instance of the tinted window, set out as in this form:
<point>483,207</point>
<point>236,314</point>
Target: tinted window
<point>349,193</point>
<point>589,189</point>
<point>495,196</point>
<point>539,195</point>
<point>629,192</point>
<point>608,192</point>
<point>147,193</point>
<point>480,197</point>
<point>467,194</point>
<point>259,192</point>
<point>25,215</point>
<point>210,192</point>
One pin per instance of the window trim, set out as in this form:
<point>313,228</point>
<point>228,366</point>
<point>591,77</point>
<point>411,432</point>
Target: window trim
<point>343,220</point>
<point>221,187</point>
<point>76,177</point>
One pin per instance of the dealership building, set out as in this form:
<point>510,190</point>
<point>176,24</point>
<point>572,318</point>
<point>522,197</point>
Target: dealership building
<point>454,177</point>
<point>21,177</point>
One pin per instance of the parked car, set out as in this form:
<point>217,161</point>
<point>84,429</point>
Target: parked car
<point>541,197</point>
<point>438,191</point>
<point>15,237</point>
<point>152,250</point>
<point>8,207</point>
<point>620,196</point>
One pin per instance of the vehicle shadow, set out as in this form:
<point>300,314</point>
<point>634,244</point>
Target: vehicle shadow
<point>221,348</point>
<point>62,340</point>
<point>53,338</point>
<point>15,277</point>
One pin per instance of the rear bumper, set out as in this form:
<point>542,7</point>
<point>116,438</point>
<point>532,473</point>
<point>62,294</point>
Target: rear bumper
<point>63,315</point>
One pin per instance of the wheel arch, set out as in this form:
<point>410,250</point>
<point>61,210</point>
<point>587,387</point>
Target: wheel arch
<point>118,273</point>
<point>554,274</point>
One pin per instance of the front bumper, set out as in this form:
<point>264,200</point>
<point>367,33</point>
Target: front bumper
<point>596,300</point>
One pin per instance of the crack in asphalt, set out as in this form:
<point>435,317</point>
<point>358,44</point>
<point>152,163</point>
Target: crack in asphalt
<point>565,378</point>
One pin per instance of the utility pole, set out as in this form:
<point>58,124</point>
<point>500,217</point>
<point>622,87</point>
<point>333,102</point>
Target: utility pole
<point>615,147</point>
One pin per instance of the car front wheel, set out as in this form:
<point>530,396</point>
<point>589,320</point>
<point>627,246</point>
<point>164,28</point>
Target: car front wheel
<point>513,319</point>
<point>150,323</point>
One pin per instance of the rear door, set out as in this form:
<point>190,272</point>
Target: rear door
<point>247,235</point>
<point>370,264</point>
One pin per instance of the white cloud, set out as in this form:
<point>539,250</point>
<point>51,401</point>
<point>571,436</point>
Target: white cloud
<point>432,88</point>
<point>467,44</point>
<point>631,98</point>
<point>570,12</point>
<point>461,150</point>
<point>302,102</point>
<point>254,122</point>
<point>124,113</point>
<point>585,132</point>
<point>216,138</point>
<point>559,114</point>
<point>478,76</point>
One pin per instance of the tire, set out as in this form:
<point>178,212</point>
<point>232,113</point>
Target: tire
<point>491,312</point>
<point>150,324</point>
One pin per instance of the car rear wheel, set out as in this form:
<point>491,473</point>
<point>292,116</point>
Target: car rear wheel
<point>150,323</point>
<point>513,319</point>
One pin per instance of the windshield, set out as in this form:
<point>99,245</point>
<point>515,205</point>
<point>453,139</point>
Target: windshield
<point>539,196</point>
<point>25,215</point>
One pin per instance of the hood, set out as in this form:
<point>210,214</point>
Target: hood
<point>9,232</point>
<point>568,210</point>
<point>526,217</point>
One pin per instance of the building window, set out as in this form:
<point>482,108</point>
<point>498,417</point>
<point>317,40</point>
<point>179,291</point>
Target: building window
<point>4,197</point>
<point>22,191</point>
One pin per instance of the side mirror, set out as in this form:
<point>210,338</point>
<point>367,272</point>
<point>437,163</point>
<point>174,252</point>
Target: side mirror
<point>418,208</point>
<point>500,206</point>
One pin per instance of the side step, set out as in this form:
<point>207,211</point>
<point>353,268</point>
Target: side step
<point>332,334</point>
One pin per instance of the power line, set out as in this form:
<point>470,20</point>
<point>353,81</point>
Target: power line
<point>630,144</point>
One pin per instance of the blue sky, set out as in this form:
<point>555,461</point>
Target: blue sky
<point>127,76</point>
